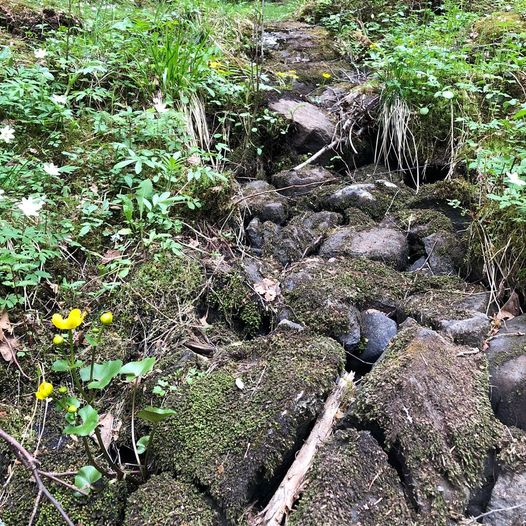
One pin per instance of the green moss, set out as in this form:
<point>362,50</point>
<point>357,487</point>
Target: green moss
<point>163,501</point>
<point>443,192</point>
<point>351,482</point>
<point>423,222</point>
<point>495,27</point>
<point>230,439</point>
<point>232,295</point>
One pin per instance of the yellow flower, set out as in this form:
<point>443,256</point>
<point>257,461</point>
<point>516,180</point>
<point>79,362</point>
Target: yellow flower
<point>44,390</point>
<point>326,75</point>
<point>106,318</point>
<point>72,409</point>
<point>58,339</point>
<point>214,64</point>
<point>74,319</point>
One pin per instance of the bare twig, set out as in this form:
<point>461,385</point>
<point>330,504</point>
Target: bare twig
<point>285,496</point>
<point>31,464</point>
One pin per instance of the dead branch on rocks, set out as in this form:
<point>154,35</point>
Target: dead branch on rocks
<point>31,463</point>
<point>291,486</point>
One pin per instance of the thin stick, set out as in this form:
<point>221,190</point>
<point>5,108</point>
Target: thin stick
<point>31,464</point>
<point>287,493</point>
<point>319,153</point>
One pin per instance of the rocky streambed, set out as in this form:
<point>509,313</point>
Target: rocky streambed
<point>341,266</point>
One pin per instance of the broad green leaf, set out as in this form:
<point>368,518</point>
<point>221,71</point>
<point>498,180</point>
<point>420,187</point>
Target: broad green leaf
<point>155,414</point>
<point>61,366</point>
<point>520,114</point>
<point>134,370</point>
<point>87,476</point>
<point>103,373</point>
<point>90,420</point>
<point>142,444</point>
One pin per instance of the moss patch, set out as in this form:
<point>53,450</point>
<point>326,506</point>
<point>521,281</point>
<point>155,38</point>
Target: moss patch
<point>232,440</point>
<point>163,501</point>
<point>352,482</point>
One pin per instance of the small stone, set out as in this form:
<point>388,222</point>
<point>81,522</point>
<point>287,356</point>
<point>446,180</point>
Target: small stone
<point>377,331</point>
<point>262,201</point>
<point>354,195</point>
<point>508,496</point>
<point>507,360</point>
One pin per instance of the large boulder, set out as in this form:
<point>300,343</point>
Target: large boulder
<point>380,244</point>
<point>313,127</point>
<point>261,200</point>
<point>351,482</point>
<point>429,399</point>
<point>238,425</point>
<point>507,359</point>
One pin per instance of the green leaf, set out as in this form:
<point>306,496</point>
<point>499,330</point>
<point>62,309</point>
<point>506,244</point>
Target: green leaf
<point>61,366</point>
<point>142,444</point>
<point>520,114</point>
<point>87,476</point>
<point>103,373</point>
<point>155,414</point>
<point>134,370</point>
<point>90,420</point>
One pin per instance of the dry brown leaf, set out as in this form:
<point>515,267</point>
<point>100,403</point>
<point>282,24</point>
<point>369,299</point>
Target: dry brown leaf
<point>8,347</point>
<point>267,288</point>
<point>106,429</point>
<point>54,287</point>
<point>110,255</point>
<point>511,308</point>
<point>5,325</point>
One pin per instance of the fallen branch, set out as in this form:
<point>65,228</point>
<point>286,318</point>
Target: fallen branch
<point>289,489</point>
<point>319,153</point>
<point>31,463</point>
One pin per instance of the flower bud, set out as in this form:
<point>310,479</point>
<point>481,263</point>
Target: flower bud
<point>62,390</point>
<point>58,339</point>
<point>72,409</point>
<point>106,318</point>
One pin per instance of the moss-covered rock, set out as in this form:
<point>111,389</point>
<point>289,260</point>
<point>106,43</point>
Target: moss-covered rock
<point>351,482</point>
<point>430,401</point>
<point>421,223</point>
<point>163,501</point>
<point>319,293</point>
<point>238,426</point>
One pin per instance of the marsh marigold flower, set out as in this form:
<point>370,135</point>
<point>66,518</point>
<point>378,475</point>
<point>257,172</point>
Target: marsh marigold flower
<point>326,75</point>
<point>74,319</point>
<point>44,390</point>
<point>106,318</point>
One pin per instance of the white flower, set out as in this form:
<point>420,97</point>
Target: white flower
<point>30,206</point>
<point>40,53</point>
<point>159,105</point>
<point>59,99</point>
<point>515,179</point>
<point>51,169</point>
<point>7,134</point>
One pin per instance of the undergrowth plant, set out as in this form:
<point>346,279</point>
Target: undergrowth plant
<point>89,380</point>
